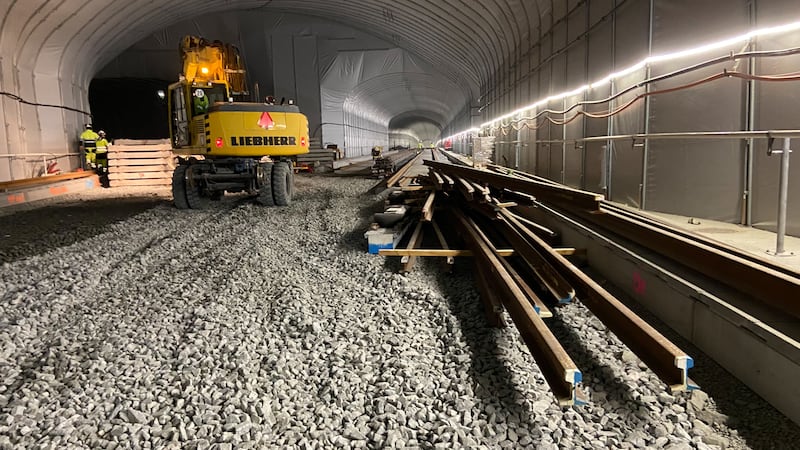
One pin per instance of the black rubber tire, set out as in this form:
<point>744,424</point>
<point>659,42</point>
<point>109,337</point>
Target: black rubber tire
<point>194,189</point>
<point>265,188</point>
<point>282,183</point>
<point>179,187</point>
<point>265,196</point>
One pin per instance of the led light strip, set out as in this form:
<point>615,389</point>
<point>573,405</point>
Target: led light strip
<point>640,65</point>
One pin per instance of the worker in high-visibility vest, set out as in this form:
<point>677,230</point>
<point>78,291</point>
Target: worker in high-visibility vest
<point>200,102</point>
<point>101,157</point>
<point>89,145</point>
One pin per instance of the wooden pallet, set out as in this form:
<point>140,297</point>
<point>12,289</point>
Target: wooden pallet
<point>140,163</point>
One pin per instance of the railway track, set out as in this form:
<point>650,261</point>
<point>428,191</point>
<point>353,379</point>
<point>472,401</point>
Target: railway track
<point>494,212</point>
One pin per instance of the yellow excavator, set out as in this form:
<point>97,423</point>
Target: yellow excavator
<point>227,145</point>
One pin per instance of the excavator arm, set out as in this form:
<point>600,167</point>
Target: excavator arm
<point>213,62</point>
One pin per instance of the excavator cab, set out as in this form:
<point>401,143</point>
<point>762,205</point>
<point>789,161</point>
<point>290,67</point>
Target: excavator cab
<point>188,103</point>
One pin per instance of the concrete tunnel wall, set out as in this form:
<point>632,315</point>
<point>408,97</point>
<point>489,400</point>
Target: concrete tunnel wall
<point>699,178</point>
<point>501,55</point>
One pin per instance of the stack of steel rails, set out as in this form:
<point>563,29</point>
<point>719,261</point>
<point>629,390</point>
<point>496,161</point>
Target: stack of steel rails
<point>518,269</point>
<point>401,177</point>
<point>741,309</point>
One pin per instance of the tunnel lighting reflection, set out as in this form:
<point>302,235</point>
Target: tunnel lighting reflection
<point>638,66</point>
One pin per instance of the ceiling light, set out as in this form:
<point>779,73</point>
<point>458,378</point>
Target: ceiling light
<point>638,66</point>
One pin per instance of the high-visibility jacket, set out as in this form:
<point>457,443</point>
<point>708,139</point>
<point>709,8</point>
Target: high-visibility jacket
<point>101,158</point>
<point>200,105</point>
<point>89,135</point>
<point>89,143</point>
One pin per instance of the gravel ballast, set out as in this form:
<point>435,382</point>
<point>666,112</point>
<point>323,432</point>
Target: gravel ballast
<point>250,327</point>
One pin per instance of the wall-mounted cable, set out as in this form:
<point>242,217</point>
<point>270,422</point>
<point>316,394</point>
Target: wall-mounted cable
<point>524,122</point>
<point>46,105</point>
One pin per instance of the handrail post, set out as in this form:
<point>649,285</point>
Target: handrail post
<point>783,194</point>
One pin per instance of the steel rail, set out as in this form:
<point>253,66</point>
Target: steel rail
<point>764,281</point>
<point>392,180</point>
<point>442,181</point>
<point>768,285</point>
<point>550,278</point>
<point>447,252</point>
<point>409,260</point>
<point>666,360</point>
<point>427,208</point>
<point>538,305</point>
<point>521,174</point>
<point>555,364</point>
<point>456,158</point>
<point>492,305</point>
<point>543,191</point>
<point>385,182</point>
<point>663,357</point>
<point>542,231</point>
<point>654,222</point>
<point>463,186</point>
<point>443,243</point>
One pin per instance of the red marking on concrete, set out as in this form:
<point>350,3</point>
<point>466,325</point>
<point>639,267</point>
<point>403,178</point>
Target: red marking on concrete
<point>15,198</point>
<point>639,285</point>
<point>58,190</point>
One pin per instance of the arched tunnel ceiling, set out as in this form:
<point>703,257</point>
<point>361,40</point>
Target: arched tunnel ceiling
<point>466,39</point>
<point>394,94</point>
<point>409,118</point>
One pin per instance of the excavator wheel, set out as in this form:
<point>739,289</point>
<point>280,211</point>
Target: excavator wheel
<point>195,197</point>
<point>265,185</point>
<point>179,187</point>
<point>282,183</point>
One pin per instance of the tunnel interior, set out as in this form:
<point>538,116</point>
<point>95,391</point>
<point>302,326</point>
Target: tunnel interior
<point>130,317</point>
<point>539,78</point>
<point>414,129</point>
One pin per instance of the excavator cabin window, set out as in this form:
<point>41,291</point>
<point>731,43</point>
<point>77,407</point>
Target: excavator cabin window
<point>180,123</point>
<point>186,104</point>
<point>204,97</point>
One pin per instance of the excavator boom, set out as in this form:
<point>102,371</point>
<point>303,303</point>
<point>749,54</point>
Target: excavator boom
<point>213,62</point>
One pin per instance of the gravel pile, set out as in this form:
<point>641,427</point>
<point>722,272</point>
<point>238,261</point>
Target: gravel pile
<point>249,327</point>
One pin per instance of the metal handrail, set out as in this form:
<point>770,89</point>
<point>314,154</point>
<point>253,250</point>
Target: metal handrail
<point>57,155</point>
<point>771,135</point>
<point>762,134</point>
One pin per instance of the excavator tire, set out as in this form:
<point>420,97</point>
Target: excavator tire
<point>194,189</point>
<point>265,196</point>
<point>179,187</point>
<point>265,185</point>
<point>282,183</point>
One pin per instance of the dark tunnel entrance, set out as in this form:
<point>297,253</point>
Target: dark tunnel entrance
<point>130,108</point>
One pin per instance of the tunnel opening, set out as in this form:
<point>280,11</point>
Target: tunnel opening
<point>130,108</point>
<point>413,130</point>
